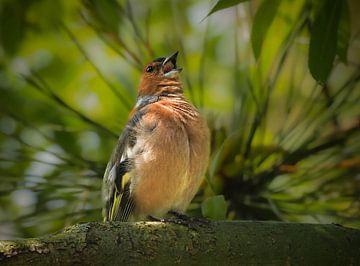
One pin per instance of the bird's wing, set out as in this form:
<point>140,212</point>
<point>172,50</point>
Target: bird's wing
<point>119,204</point>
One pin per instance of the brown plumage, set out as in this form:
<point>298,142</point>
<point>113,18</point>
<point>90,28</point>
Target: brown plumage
<point>162,154</point>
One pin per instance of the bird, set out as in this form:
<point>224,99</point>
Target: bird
<point>161,156</point>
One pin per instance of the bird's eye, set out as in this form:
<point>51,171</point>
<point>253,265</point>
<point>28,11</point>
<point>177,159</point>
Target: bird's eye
<point>149,69</point>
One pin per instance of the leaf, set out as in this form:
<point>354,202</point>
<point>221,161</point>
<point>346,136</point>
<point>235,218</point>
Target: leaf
<point>223,4</point>
<point>262,22</point>
<point>343,32</point>
<point>215,161</point>
<point>214,207</point>
<point>323,40</point>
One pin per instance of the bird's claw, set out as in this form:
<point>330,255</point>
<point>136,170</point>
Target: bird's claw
<point>188,221</point>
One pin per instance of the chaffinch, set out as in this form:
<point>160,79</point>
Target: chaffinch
<point>160,159</point>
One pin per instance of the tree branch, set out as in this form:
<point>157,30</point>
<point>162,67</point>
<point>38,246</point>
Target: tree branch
<point>213,243</point>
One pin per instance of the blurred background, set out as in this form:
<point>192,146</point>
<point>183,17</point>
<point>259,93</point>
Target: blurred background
<point>278,82</point>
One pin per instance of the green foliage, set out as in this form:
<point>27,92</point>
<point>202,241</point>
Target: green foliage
<point>214,208</point>
<point>284,146</point>
<point>223,4</point>
<point>262,21</point>
<point>12,17</point>
<point>344,32</point>
<point>107,13</point>
<point>323,41</point>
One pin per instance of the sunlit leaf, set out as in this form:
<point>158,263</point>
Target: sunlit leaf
<point>214,207</point>
<point>323,40</point>
<point>262,21</point>
<point>222,4</point>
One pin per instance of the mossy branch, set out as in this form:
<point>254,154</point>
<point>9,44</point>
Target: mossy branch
<point>213,243</point>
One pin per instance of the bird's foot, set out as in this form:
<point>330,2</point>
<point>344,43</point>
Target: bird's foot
<point>179,215</point>
<point>182,219</point>
<point>174,220</point>
<point>155,219</point>
<point>185,220</point>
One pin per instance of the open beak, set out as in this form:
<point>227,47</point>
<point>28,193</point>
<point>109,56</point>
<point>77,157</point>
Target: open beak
<point>169,65</point>
<point>171,58</point>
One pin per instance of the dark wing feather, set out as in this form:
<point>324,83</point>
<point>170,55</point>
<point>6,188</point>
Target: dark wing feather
<point>119,204</point>
<point>126,205</point>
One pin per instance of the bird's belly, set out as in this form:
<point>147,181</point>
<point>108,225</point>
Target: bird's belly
<point>161,179</point>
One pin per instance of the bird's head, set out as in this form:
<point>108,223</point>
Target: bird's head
<point>160,73</point>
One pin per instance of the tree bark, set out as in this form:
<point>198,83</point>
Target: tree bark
<point>195,243</point>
